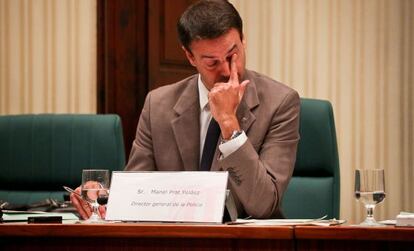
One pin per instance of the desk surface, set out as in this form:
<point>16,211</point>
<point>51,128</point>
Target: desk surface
<point>153,236</point>
<point>388,233</point>
<point>206,231</point>
<point>147,230</point>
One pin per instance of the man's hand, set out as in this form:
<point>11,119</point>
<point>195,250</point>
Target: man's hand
<point>224,98</point>
<point>83,207</point>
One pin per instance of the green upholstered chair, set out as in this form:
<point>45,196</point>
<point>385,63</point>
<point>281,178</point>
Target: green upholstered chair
<point>314,188</point>
<point>40,153</point>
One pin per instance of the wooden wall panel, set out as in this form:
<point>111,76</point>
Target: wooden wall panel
<point>138,50</point>
<point>167,62</point>
<point>122,62</point>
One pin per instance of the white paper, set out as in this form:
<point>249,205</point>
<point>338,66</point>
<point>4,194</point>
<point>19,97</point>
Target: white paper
<point>167,196</point>
<point>405,219</point>
<point>23,216</point>
<point>290,222</point>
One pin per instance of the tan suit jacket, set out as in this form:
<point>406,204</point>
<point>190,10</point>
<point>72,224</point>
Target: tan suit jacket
<point>168,139</point>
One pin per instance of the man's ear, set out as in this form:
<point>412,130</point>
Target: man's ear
<point>244,42</point>
<point>189,56</point>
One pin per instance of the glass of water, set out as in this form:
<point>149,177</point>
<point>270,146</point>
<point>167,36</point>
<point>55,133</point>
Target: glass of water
<point>370,190</point>
<point>95,190</point>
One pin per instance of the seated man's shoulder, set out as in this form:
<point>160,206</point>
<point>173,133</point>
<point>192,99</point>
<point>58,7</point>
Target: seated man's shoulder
<point>175,89</point>
<point>269,88</point>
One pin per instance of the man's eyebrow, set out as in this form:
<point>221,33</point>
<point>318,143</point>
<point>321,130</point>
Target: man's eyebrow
<point>232,48</point>
<point>228,52</point>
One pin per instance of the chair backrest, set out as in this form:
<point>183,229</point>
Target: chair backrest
<point>314,189</point>
<point>40,153</point>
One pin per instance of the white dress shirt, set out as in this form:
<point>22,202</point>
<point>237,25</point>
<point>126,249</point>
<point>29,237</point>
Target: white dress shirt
<point>226,148</point>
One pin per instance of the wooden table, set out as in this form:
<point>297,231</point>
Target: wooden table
<point>145,236</point>
<point>353,238</point>
<point>142,236</point>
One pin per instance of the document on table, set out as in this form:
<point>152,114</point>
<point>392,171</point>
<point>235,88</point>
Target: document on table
<point>14,216</point>
<point>289,222</point>
<point>403,219</point>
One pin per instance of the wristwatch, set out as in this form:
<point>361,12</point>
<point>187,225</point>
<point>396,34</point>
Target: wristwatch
<point>234,135</point>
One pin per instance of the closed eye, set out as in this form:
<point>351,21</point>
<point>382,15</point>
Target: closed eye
<point>212,63</point>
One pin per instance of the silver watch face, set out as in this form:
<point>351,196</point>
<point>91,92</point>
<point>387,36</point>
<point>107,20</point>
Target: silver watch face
<point>235,134</point>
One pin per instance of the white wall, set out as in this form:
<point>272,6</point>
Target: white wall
<point>47,56</point>
<point>359,55</point>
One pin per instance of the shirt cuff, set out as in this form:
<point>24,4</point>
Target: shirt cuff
<point>231,146</point>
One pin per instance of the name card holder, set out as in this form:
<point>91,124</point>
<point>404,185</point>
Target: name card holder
<point>167,196</point>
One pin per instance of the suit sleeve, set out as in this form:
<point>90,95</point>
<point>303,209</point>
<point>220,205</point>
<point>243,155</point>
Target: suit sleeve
<point>259,178</point>
<point>141,157</point>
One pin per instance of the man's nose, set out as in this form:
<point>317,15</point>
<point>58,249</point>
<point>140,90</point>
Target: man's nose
<point>225,68</point>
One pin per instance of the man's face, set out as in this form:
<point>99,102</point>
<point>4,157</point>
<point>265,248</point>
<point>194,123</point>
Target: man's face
<point>212,57</point>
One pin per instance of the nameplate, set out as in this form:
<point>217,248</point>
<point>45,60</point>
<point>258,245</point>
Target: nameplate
<point>167,196</point>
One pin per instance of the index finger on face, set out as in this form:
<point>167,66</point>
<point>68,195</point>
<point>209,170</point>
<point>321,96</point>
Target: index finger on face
<point>234,78</point>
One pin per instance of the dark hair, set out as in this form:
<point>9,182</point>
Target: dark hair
<point>208,19</point>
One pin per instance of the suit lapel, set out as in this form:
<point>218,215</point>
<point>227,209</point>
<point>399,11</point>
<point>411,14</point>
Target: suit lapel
<point>250,101</point>
<point>186,126</point>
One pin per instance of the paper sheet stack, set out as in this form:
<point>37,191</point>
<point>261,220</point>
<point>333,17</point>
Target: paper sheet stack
<point>405,219</point>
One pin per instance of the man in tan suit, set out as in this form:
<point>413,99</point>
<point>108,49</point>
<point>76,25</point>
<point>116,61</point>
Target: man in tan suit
<point>257,116</point>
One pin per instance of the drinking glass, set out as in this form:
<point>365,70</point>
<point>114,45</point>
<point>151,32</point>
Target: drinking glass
<point>95,190</point>
<point>370,190</point>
